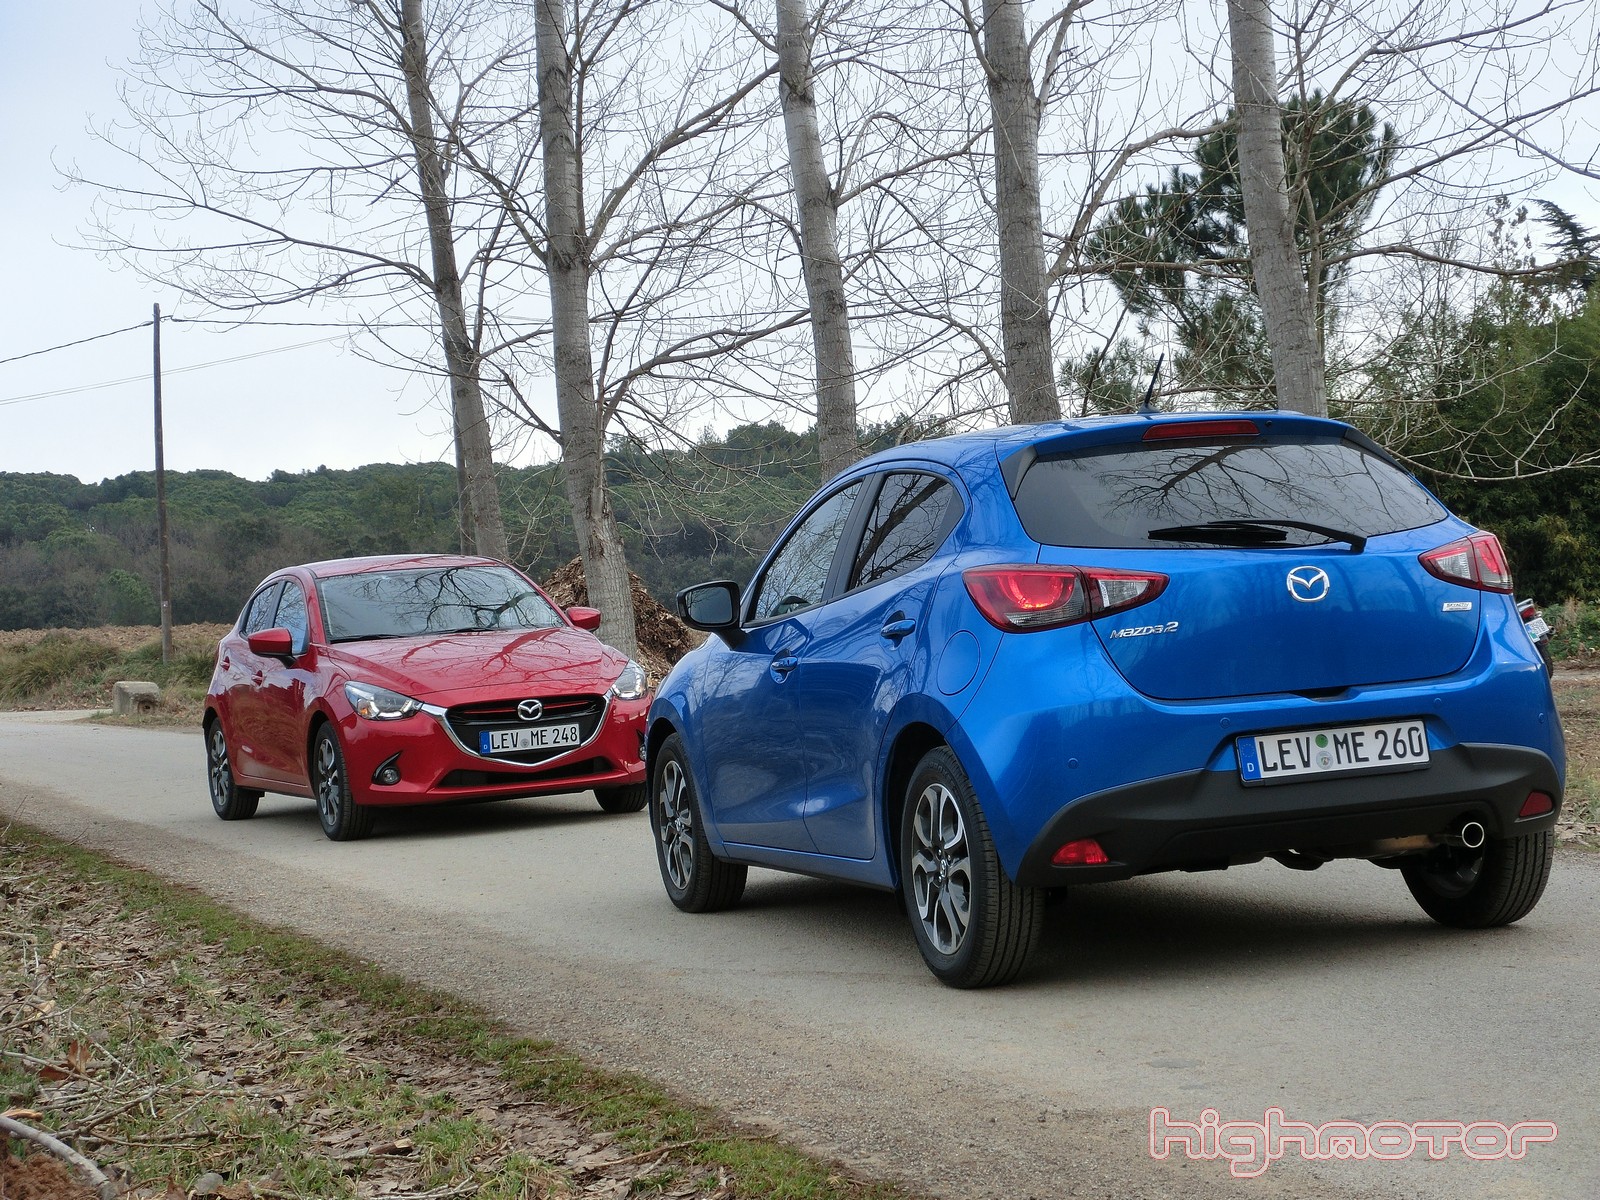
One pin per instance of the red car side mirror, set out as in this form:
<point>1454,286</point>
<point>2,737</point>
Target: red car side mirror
<point>584,618</point>
<point>272,643</point>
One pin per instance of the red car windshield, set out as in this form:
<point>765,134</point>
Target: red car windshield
<point>417,603</point>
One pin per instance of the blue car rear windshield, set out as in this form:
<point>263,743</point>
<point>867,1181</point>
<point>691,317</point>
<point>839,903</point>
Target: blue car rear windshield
<point>413,603</point>
<point>1117,496</point>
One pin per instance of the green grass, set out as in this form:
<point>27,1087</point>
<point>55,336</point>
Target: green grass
<point>271,968</point>
<point>1574,630</point>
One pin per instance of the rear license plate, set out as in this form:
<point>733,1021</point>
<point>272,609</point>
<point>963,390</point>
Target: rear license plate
<point>1341,749</point>
<point>539,737</point>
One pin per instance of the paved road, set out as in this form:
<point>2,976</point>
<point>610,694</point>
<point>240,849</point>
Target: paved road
<point>807,1009</point>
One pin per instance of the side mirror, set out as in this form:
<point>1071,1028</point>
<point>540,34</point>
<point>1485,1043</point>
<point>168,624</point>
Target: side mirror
<point>272,643</point>
<point>713,607</point>
<point>584,618</point>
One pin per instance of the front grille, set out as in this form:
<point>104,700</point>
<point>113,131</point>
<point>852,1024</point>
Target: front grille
<point>468,720</point>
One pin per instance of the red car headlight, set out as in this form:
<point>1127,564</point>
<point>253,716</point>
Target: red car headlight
<point>374,703</point>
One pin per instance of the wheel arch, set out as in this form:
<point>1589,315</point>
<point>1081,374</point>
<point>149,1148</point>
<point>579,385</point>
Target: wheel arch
<point>910,745</point>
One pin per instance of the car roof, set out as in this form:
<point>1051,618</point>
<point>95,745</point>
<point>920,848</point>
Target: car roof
<point>392,562</point>
<point>984,445</point>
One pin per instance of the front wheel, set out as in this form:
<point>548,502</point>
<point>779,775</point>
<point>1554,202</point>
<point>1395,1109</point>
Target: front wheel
<point>696,880</point>
<point>974,926</point>
<point>230,801</point>
<point>627,799</point>
<point>343,820</point>
<point>1496,884</point>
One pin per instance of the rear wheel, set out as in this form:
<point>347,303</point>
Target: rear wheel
<point>1496,884</point>
<point>343,820</point>
<point>623,799</point>
<point>974,926</point>
<point>231,802</point>
<point>696,880</point>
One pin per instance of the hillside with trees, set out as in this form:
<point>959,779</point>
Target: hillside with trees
<point>76,554</point>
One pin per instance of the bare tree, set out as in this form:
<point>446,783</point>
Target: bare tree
<point>270,150</point>
<point>479,497</point>
<point>819,242</point>
<point>1024,300</point>
<point>1280,280</point>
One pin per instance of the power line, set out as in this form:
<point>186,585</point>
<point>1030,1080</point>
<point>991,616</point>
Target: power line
<point>94,387</point>
<point>79,342</point>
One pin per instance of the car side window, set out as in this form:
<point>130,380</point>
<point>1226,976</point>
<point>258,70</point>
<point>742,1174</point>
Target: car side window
<point>911,518</point>
<point>292,615</point>
<point>798,574</point>
<point>262,609</point>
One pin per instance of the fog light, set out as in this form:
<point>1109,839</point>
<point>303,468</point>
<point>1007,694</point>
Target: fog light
<point>1536,805</point>
<point>1085,852</point>
<point>388,772</point>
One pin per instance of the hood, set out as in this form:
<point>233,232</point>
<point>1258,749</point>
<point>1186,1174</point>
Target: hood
<point>458,668</point>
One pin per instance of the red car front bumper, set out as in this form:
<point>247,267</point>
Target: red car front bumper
<point>436,763</point>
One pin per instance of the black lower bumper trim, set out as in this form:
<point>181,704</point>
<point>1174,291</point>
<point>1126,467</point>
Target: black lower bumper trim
<point>1202,819</point>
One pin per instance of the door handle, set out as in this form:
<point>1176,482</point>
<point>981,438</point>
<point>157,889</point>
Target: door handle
<point>781,666</point>
<point>895,630</point>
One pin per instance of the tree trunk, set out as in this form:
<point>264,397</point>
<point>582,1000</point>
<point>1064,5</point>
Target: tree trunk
<point>478,496</point>
<point>1280,282</point>
<point>1024,301</point>
<point>819,244</point>
<point>605,570</point>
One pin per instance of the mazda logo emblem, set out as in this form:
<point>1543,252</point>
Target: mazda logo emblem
<point>530,710</point>
<point>1308,584</point>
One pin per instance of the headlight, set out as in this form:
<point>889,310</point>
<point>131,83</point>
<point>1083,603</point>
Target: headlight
<point>632,683</point>
<point>379,704</point>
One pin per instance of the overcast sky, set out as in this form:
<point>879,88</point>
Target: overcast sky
<point>244,400</point>
<point>294,409</point>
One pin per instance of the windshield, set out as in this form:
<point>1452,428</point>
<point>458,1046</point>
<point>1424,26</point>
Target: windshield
<point>1257,493</point>
<point>410,603</point>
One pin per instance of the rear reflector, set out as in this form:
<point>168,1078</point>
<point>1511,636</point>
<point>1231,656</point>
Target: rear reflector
<point>1085,852</point>
<point>1200,429</point>
<point>1536,805</point>
<point>1024,596</point>
<point>1477,562</point>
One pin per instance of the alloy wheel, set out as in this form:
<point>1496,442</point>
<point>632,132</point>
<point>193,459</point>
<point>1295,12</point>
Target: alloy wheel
<point>330,786</point>
<point>220,772</point>
<point>675,820</point>
<point>941,869</point>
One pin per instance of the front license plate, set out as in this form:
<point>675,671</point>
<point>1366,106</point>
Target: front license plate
<point>1342,749</point>
<point>540,737</point>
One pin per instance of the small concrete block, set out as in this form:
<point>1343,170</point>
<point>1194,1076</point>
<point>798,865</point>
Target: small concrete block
<point>130,697</point>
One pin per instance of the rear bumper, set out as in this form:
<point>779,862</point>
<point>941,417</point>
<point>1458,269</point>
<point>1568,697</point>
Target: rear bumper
<point>1202,819</point>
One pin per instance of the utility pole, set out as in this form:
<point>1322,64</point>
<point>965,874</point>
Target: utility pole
<point>161,503</point>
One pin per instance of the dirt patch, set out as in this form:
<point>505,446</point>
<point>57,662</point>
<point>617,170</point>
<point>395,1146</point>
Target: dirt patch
<point>663,638</point>
<point>39,1177</point>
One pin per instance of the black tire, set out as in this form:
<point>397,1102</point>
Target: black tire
<point>974,926</point>
<point>1496,884</point>
<point>627,799</point>
<point>230,801</point>
<point>696,880</point>
<point>343,820</point>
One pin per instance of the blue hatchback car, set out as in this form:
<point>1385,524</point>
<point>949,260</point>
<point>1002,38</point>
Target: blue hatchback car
<point>984,667</point>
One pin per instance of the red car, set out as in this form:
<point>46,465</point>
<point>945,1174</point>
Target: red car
<point>416,679</point>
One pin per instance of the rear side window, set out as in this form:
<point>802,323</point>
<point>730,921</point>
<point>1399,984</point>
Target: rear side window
<point>1115,496</point>
<point>911,518</point>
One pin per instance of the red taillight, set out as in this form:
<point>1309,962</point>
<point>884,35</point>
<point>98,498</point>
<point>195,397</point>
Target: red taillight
<point>1536,805</point>
<point>1085,852</point>
<point>1475,562</point>
<point>1200,429</point>
<point>1023,597</point>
